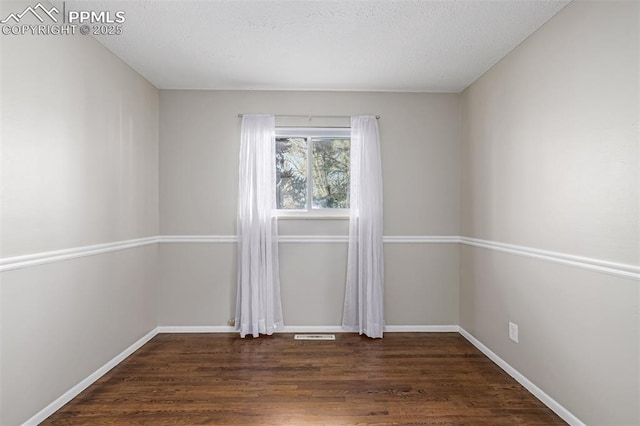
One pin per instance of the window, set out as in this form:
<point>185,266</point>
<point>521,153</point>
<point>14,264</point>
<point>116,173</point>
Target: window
<point>312,170</point>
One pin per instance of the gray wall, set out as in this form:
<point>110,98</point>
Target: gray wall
<point>199,145</point>
<point>550,160</point>
<point>79,167</point>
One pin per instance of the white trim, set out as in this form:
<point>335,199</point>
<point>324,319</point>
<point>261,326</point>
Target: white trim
<point>17,262</point>
<point>618,269</point>
<point>597,265</point>
<point>392,239</point>
<point>230,329</point>
<point>75,391</point>
<point>196,329</point>
<point>421,239</point>
<point>313,239</point>
<point>309,329</point>
<point>565,414</point>
<point>314,214</point>
<point>321,132</point>
<point>197,239</point>
<point>421,328</point>
<point>312,329</point>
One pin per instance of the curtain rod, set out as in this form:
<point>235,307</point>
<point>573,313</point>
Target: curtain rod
<point>240,115</point>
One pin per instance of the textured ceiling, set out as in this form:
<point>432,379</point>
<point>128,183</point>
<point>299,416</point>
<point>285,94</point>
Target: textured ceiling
<point>420,46</point>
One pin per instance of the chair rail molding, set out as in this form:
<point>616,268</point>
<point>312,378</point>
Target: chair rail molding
<point>604,266</point>
<point>25,261</point>
<point>597,265</point>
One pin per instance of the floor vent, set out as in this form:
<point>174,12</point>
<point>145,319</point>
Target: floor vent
<point>315,337</point>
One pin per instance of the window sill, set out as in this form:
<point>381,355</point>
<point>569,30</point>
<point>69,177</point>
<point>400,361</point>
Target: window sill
<point>305,215</point>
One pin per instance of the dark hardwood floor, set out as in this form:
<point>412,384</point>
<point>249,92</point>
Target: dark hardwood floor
<point>405,378</point>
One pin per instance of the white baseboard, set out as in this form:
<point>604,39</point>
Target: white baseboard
<point>421,329</point>
<point>310,329</point>
<point>196,329</point>
<point>387,329</point>
<point>75,391</point>
<point>565,414</point>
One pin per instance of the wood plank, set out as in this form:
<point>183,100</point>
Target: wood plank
<point>405,378</point>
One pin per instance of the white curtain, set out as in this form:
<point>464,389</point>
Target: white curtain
<point>258,306</point>
<point>364,294</point>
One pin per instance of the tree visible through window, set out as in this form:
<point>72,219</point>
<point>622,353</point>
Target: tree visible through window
<point>312,169</point>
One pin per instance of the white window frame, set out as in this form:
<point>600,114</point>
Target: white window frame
<point>310,132</point>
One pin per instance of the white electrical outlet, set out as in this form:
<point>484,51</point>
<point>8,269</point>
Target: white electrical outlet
<point>513,331</point>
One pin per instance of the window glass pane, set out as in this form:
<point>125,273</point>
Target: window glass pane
<point>291,173</point>
<point>331,173</point>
